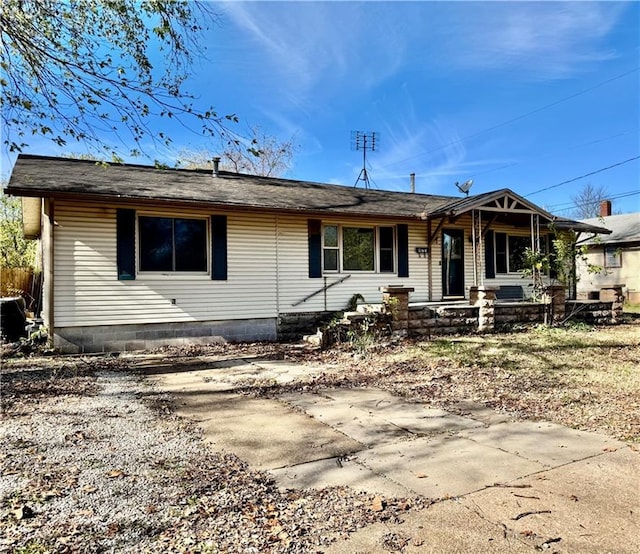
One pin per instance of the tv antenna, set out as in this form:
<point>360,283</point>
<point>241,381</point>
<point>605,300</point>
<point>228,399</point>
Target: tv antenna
<point>364,141</point>
<point>465,187</point>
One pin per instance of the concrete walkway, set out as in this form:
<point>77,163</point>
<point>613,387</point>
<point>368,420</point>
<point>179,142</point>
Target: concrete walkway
<point>516,486</point>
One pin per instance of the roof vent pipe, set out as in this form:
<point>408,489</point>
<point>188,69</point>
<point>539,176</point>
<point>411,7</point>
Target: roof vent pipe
<point>412,181</point>
<point>605,208</point>
<point>216,166</point>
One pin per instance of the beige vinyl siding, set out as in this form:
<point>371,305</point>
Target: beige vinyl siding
<point>268,270</point>
<point>293,269</point>
<point>87,291</point>
<point>628,274</point>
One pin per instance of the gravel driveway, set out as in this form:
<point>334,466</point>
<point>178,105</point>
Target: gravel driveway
<point>110,468</point>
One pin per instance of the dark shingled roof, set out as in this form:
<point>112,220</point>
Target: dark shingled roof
<point>48,176</point>
<point>43,176</point>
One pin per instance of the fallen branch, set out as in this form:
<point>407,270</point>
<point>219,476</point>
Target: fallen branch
<point>507,486</point>
<point>525,514</point>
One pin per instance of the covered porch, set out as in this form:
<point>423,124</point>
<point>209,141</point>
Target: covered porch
<point>497,239</point>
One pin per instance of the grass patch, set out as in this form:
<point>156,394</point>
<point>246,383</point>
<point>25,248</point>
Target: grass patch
<point>579,376</point>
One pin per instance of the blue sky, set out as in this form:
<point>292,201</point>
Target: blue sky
<point>510,94</point>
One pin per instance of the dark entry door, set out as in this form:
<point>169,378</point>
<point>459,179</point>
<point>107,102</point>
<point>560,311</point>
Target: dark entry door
<point>453,262</point>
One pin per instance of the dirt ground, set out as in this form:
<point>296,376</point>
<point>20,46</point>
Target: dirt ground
<point>145,482</point>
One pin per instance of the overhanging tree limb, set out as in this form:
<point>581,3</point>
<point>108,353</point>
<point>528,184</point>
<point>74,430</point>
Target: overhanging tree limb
<point>82,70</point>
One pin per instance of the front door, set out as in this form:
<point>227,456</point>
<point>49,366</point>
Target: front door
<point>452,262</point>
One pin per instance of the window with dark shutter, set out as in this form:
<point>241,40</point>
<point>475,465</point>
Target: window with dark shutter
<point>172,244</point>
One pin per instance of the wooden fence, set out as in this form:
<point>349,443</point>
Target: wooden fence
<point>22,281</point>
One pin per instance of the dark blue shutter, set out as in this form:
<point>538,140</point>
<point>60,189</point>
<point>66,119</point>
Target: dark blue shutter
<point>403,250</point>
<point>501,253</point>
<point>126,244</point>
<point>219,247</point>
<point>314,227</point>
<point>489,255</point>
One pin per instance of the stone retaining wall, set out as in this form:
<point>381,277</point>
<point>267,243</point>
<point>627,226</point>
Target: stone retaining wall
<point>591,312</point>
<point>442,320</point>
<point>487,315</point>
<point>293,326</point>
<point>523,312</point>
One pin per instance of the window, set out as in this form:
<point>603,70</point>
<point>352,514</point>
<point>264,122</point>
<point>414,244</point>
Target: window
<point>510,252</point>
<point>172,244</point>
<point>517,248</point>
<point>330,248</point>
<point>358,248</point>
<point>387,257</point>
<point>612,256</point>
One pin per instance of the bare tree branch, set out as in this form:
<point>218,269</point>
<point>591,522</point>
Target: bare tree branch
<point>82,71</point>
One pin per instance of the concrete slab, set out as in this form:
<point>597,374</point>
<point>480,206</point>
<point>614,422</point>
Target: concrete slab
<point>337,472</point>
<point>443,528</point>
<point>434,425</point>
<point>547,443</point>
<point>283,371</point>
<point>263,432</point>
<point>376,417</point>
<point>591,506</point>
<point>445,466</point>
<point>357,395</point>
<point>364,427</point>
<point>225,375</point>
<point>397,407</point>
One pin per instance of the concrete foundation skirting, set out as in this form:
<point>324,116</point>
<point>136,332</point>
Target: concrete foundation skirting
<point>117,338</point>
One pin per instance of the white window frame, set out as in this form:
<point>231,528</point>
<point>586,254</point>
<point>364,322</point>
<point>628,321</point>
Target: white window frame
<point>376,245</point>
<point>509,236</point>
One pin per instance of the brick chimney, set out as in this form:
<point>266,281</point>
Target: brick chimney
<point>605,208</point>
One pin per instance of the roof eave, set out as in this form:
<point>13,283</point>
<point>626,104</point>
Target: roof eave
<point>122,198</point>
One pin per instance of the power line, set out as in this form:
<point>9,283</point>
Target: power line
<point>572,206</point>
<point>583,176</point>
<point>537,110</point>
<point>555,152</point>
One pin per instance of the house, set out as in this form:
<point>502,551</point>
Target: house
<point>138,256</point>
<point>618,254</point>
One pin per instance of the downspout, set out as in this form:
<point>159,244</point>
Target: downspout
<point>277,272</point>
<point>48,264</point>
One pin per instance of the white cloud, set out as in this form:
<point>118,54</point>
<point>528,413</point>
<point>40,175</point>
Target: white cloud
<point>542,40</point>
<point>320,45</point>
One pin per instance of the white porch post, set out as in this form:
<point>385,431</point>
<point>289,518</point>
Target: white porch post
<point>475,250</point>
<point>480,249</point>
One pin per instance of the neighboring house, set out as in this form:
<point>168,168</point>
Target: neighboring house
<point>618,254</point>
<point>137,256</point>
